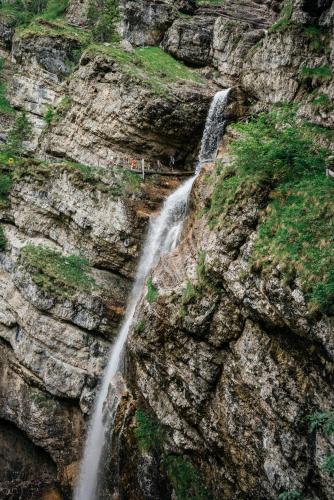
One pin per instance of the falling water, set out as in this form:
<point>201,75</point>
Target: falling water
<point>163,236</point>
<point>214,127</point>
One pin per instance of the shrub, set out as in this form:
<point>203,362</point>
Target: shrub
<point>131,180</point>
<point>318,38</point>
<point>184,478</point>
<point>140,326</point>
<point>152,293</point>
<point>103,15</point>
<point>2,239</point>
<point>5,187</point>
<point>54,9</point>
<point>22,12</point>
<point>316,76</point>
<point>64,105</point>
<point>189,294</point>
<point>275,146</point>
<point>328,464</point>
<point>19,133</point>
<point>49,116</point>
<point>290,495</point>
<point>5,106</point>
<point>284,21</point>
<point>322,420</point>
<point>323,101</point>
<point>148,432</point>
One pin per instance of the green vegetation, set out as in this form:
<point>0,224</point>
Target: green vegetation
<point>275,147</point>
<point>316,76</point>
<point>318,38</point>
<point>22,12</point>
<point>56,273</point>
<point>150,66</point>
<point>103,15</point>
<point>2,239</point>
<point>5,187</point>
<point>290,495</point>
<point>328,464</point>
<point>184,478</point>
<point>152,292</point>
<point>49,116</point>
<point>140,326</point>
<point>54,9</point>
<point>19,133</point>
<point>297,235</point>
<point>86,172</point>
<point>148,432</point>
<point>212,3</point>
<point>131,181</point>
<point>5,107</point>
<point>284,22</point>
<point>79,38</point>
<point>324,421</point>
<point>275,158</point>
<point>323,101</point>
<point>64,105</point>
<point>189,294</point>
<point>53,115</point>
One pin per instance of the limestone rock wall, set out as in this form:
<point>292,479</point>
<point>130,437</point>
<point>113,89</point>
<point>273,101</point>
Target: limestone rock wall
<point>233,372</point>
<point>137,120</point>
<point>230,376</point>
<point>54,344</point>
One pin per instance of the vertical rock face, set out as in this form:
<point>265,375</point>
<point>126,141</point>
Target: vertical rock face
<point>144,22</point>
<point>114,114</point>
<point>233,370</point>
<point>20,458</point>
<point>76,14</point>
<point>190,39</point>
<point>226,373</point>
<point>55,337</point>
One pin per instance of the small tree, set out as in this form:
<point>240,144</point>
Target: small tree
<point>20,132</point>
<point>103,15</point>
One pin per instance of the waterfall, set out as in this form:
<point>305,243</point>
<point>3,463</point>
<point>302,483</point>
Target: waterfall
<point>163,235</point>
<point>214,127</point>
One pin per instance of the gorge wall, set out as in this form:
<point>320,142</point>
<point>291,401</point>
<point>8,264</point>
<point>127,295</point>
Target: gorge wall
<point>227,361</point>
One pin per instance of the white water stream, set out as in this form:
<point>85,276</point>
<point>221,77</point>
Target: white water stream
<point>163,236</point>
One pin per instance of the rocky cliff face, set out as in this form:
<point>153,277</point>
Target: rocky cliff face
<point>56,333</point>
<point>224,366</point>
<point>241,360</point>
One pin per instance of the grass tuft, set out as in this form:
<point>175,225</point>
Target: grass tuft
<point>152,292</point>
<point>56,273</point>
